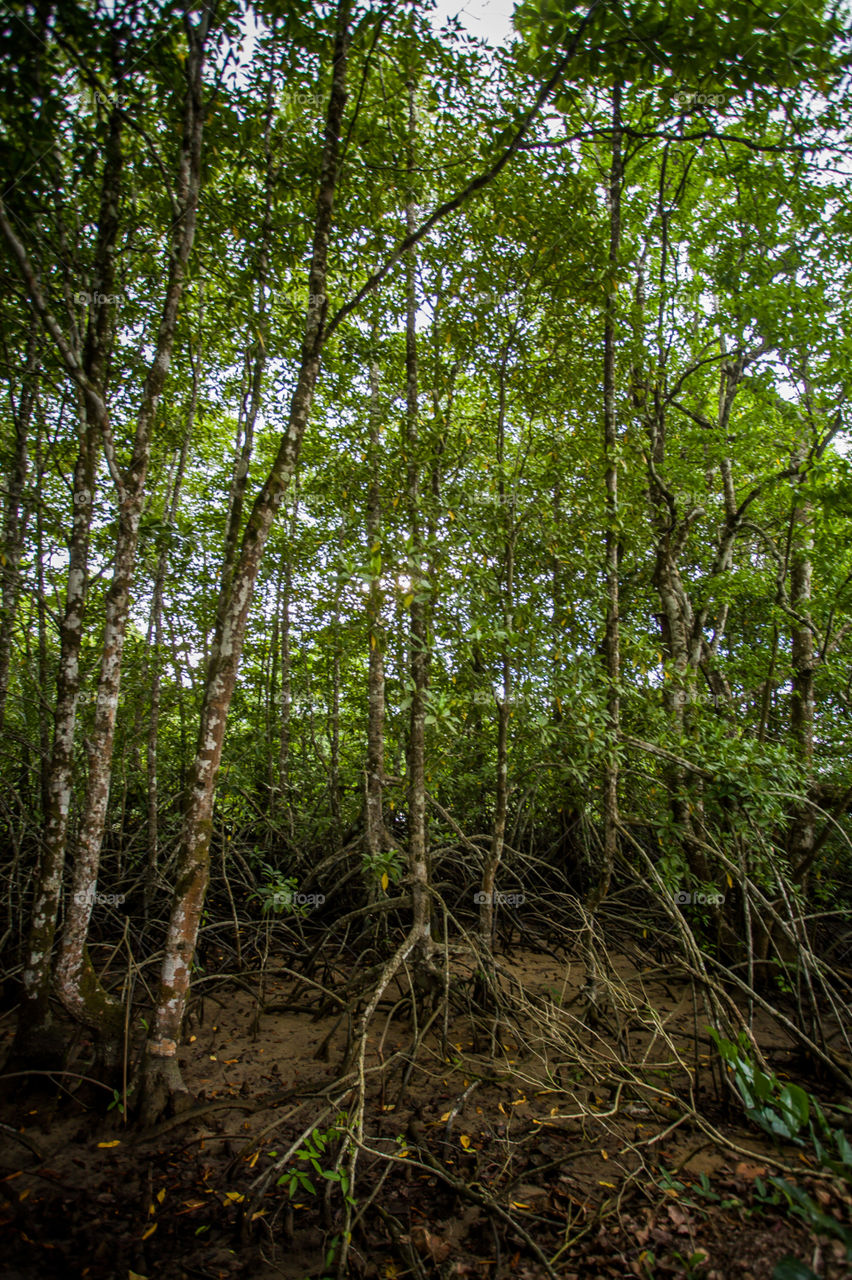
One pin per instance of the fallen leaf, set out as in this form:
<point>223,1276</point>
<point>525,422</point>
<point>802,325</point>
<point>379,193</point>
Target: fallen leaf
<point>428,1244</point>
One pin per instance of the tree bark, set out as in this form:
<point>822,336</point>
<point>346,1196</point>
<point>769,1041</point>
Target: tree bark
<point>612,537</point>
<point>35,1037</point>
<point>155,649</point>
<point>14,515</point>
<point>419,637</point>
<point>161,1075</point>
<point>800,843</point>
<point>77,984</point>
<point>487,912</point>
<point>374,827</point>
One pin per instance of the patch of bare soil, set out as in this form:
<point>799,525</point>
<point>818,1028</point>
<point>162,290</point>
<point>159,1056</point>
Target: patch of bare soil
<point>484,1154</point>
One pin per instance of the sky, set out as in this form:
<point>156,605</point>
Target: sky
<point>489,20</point>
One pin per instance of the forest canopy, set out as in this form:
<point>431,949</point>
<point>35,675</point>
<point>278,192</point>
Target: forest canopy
<point>427,503</point>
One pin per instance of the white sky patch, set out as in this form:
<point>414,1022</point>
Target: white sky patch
<point>489,20</point>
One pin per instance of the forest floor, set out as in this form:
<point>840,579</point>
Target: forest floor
<point>478,1151</point>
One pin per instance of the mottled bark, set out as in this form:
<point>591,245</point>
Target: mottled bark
<point>35,1038</point>
<point>612,656</point>
<point>334,726</point>
<point>161,1076</point>
<point>487,913</point>
<point>76,982</point>
<point>154,651</point>
<point>800,842</point>
<point>374,827</point>
<point>286,696</point>
<point>419,637</point>
<point>14,513</point>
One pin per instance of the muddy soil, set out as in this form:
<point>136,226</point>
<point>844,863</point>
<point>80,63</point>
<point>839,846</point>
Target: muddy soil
<point>485,1152</point>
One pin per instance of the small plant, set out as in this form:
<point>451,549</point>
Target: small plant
<point>383,868</point>
<point>277,893</point>
<point>791,1114</point>
<point>315,1153</point>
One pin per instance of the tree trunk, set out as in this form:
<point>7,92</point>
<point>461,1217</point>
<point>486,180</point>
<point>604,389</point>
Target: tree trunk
<point>161,1075</point>
<point>286,698</point>
<point>36,1037</point>
<point>487,912</point>
<point>14,516</point>
<point>374,827</point>
<point>419,637</point>
<point>77,984</point>
<point>612,537</point>
<point>800,843</point>
<point>155,648</point>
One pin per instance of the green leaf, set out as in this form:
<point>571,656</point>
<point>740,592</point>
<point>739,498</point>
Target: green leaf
<point>790,1268</point>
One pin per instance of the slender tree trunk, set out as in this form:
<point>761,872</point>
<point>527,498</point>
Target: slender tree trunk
<point>334,760</point>
<point>35,1038</point>
<point>14,516</point>
<point>800,843</point>
<point>419,641</point>
<point>286,699</point>
<point>77,984</point>
<point>41,612</point>
<point>161,1078</point>
<point>612,539</point>
<point>374,833</point>
<point>487,912</point>
<point>155,649</point>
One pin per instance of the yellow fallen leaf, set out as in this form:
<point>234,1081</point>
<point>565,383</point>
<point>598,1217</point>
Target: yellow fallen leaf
<point>161,1195</point>
<point>611,1185</point>
<point>150,1231</point>
<point>445,1117</point>
<point>465,1141</point>
<point>116,1142</point>
<point>385,880</point>
<point>234,1196</point>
